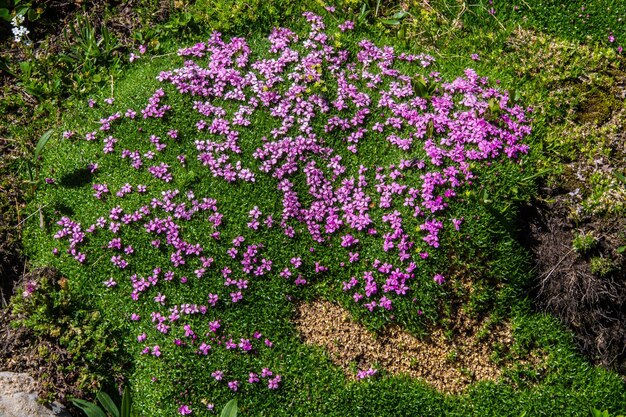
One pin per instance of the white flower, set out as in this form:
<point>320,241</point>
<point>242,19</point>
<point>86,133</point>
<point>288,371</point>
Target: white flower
<point>17,20</point>
<point>19,31</point>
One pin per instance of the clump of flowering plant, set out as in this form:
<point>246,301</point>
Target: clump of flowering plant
<point>358,156</point>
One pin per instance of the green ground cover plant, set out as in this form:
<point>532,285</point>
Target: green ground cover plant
<point>220,184</point>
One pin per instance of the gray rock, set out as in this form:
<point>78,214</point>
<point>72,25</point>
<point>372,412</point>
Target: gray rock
<point>18,398</point>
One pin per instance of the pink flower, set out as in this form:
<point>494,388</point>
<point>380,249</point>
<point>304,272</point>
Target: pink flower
<point>347,25</point>
<point>439,279</point>
<point>273,383</point>
<point>184,410</point>
<point>362,374</point>
<point>236,296</point>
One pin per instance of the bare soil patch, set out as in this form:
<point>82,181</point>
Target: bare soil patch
<point>449,364</point>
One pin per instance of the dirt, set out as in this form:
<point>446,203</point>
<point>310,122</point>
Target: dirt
<point>592,306</point>
<point>448,363</point>
<point>43,358</point>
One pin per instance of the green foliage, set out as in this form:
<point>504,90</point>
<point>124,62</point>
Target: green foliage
<point>31,10</point>
<point>107,407</point>
<point>602,266</point>
<point>36,161</point>
<point>88,48</point>
<point>230,409</point>
<point>540,70</point>
<point>240,17</point>
<point>90,409</point>
<point>597,413</point>
<point>574,20</point>
<point>51,312</point>
<point>493,259</point>
<point>584,242</point>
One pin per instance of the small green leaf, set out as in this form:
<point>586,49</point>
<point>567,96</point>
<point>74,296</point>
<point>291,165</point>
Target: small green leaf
<point>621,249</point>
<point>620,177</point>
<point>4,66</point>
<point>364,12</point>
<point>399,15</point>
<point>96,78</point>
<point>127,402</point>
<point>26,68</point>
<point>494,106</point>
<point>4,14</point>
<point>485,197</point>
<point>108,404</point>
<point>42,142</point>
<point>32,15</point>
<point>393,22</point>
<point>230,409</point>
<point>90,409</point>
<point>430,129</point>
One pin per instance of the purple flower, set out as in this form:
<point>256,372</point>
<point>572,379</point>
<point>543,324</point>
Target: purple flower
<point>347,25</point>
<point>274,382</point>
<point>29,288</point>
<point>368,373</point>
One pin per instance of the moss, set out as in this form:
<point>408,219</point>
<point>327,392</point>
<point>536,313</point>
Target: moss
<point>597,107</point>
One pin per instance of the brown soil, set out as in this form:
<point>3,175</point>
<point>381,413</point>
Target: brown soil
<point>592,306</point>
<point>22,351</point>
<point>449,364</point>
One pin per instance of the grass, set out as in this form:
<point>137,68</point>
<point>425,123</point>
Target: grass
<point>566,385</point>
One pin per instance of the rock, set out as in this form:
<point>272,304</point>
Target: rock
<point>18,398</point>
